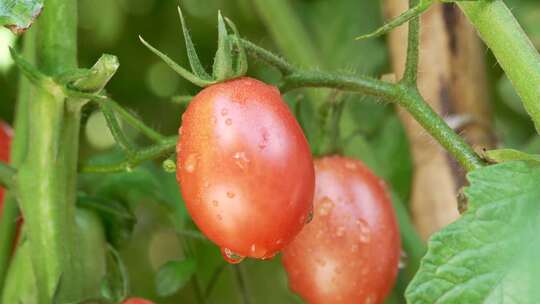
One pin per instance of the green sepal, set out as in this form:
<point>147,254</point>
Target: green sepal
<point>193,58</point>
<point>223,67</point>
<point>177,68</point>
<point>409,14</point>
<point>240,64</point>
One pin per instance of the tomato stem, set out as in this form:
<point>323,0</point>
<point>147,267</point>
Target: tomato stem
<point>8,222</point>
<point>162,149</point>
<point>513,49</point>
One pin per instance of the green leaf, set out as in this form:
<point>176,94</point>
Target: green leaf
<point>505,155</point>
<point>489,255</point>
<point>174,275</point>
<point>18,15</point>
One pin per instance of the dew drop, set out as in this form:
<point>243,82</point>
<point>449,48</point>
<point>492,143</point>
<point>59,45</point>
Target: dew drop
<point>215,203</point>
<point>320,262</point>
<point>230,194</point>
<point>354,247</point>
<point>180,131</point>
<point>224,112</point>
<point>340,231</point>
<point>230,256</point>
<point>191,163</point>
<point>309,217</point>
<point>253,248</point>
<point>228,121</point>
<point>265,137</point>
<point>280,241</point>
<point>371,299</point>
<point>364,233</point>
<point>325,206</point>
<point>351,165</point>
<point>241,159</point>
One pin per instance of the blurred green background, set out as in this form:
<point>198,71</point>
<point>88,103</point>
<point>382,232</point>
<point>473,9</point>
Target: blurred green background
<point>158,228</point>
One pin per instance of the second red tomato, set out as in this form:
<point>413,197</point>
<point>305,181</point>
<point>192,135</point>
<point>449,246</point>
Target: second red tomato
<point>350,252</point>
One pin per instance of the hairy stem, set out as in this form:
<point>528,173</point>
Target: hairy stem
<point>512,48</point>
<point>407,97</point>
<point>165,147</point>
<point>47,176</point>
<point>10,212</point>
<point>136,123</point>
<point>411,65</point>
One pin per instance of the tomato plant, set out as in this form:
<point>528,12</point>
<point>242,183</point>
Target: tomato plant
<point>349,252</point>
<point>137,204</point>
<point>245,168</point>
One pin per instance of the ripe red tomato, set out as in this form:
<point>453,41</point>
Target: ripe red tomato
<point>244,168</point>
<point>137,301</point>
<point>5,142</point>
<point>350,252</point>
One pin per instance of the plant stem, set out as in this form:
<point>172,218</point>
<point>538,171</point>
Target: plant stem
<point>411,65</point>
<point>47,176</point>
<point>135,122</point>
<point>512,48</point>
<point>10,212</point>
<point>404,95</point>
<point>167,146</point>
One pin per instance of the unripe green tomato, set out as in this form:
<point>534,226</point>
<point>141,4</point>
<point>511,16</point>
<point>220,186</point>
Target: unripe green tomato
<point>20,284</point>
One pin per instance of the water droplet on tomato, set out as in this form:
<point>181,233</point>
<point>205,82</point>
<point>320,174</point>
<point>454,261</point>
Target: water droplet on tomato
<point>215,203</point>
<point>230,194</point>
<point>351,165</point>
<point>278,242</point>
<point>309,217</point>
<point>180,131</point>
<point>325,206</point>
<point>228,121</point>
<point>253,248</point>
<point>320,261</point>
<point>371,299</point>
<point>340,231</point>
<point>354,247</point>
<point>241,159</point>
<point>191,163</point>
<point>224,112</point>
<point>230,256</point>
<point>265,137</point>
<point>364,234</point>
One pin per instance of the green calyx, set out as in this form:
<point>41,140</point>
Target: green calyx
<point>230,60</point>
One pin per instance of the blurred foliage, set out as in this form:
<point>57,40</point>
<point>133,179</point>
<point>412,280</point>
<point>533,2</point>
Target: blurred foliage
<point>154,227</point>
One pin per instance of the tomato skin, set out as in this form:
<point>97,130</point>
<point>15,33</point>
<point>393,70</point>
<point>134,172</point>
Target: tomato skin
<point>137,301</point>
<point>350,252</point>
<point>5,142</point>
<point>244,167</point>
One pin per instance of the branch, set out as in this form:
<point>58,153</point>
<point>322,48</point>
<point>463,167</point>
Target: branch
<point>165,147</point>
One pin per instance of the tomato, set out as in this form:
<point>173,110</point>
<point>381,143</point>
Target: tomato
<point>244,168</point>
<point>137,301</point>
<point>349,253</point>
<point>5,142</point>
